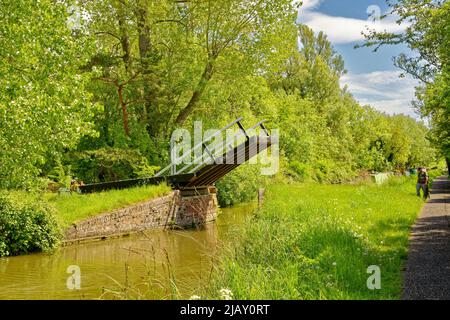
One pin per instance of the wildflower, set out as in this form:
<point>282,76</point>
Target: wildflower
<point>195,297</point>
<point>226,294</point>
<point>334,264</point>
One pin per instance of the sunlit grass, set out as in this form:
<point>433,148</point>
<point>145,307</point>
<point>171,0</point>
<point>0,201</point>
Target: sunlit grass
<point>317,241</point>
<point>74,207</point>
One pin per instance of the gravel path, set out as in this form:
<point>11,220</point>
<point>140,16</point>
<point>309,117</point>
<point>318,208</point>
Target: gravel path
<point>427,273</point>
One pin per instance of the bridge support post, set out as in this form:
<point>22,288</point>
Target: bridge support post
<point>194,207</point>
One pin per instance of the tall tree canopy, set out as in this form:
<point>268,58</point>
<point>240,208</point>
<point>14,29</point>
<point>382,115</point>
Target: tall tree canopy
<point>44,105</point>
<point>428,35</point>
<point>94,89</point>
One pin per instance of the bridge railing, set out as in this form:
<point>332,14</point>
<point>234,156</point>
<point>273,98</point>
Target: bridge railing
<point>180,176</point>
<point>189,152</point>
<point>217,148</point>
<point>220,148</point>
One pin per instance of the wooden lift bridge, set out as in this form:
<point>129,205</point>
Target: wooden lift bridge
<point>214,162</point>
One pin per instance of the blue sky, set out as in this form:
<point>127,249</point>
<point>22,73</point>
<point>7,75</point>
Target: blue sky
<point>372,77</point>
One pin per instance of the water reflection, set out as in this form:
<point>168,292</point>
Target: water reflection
<point>163,257</point>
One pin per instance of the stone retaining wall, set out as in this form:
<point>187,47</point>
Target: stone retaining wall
<point>171,211</point>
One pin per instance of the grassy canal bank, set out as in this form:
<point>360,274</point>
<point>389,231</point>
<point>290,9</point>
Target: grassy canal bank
<point>34,222</point>
<point>75,207</point>
<point>317,241</point>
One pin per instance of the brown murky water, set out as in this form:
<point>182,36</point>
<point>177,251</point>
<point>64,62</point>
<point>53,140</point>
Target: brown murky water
<point>157,265</point>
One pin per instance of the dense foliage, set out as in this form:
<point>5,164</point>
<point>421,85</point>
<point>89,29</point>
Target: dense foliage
<point>94,89</point>
<point>44,104</point>
<point>108,164</point>
<point>428,37</point>
<point>26,225</point>
<point>240,186</point>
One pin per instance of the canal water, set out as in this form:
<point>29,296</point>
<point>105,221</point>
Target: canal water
<point>157,264</point>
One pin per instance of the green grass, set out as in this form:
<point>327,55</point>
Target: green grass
<point>317,241</point>
<point>75,207</point>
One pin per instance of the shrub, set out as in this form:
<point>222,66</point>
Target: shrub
<point>109,164</point>
<point>59,177</point>
<point>26,225</point>
<point>300,171</point>
<point>240,185</point>
<point>327,171</point>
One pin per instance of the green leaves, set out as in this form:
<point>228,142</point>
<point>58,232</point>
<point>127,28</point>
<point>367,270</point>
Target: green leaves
<point>44,106</point>
<point>427,35</point>
<point>26,225</point>
<point>155,65</point>
<point>109,164</point>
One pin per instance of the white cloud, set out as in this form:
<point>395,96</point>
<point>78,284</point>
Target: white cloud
<point>343,29</point>
<point>383,90</point>
<point>396,106</point>
<point>310,4</point>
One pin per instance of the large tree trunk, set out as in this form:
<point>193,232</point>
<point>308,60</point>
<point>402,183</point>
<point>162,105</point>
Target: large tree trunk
<point>124,111</point>
<point>126,58</point>
<point>124,38</point>
<point>144,54</point>
<point>196,95</point>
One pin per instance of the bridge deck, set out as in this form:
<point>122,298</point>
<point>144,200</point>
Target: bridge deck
<point>205,176</point>
<point>210,173</point>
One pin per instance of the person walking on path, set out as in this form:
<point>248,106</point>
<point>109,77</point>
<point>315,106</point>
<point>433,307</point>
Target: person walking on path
<point>427,271</point>
<point>422,182</point>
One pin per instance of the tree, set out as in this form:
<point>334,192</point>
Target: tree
<point>314,70</point>
<point>44,105</point>
<point>427,35</point>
